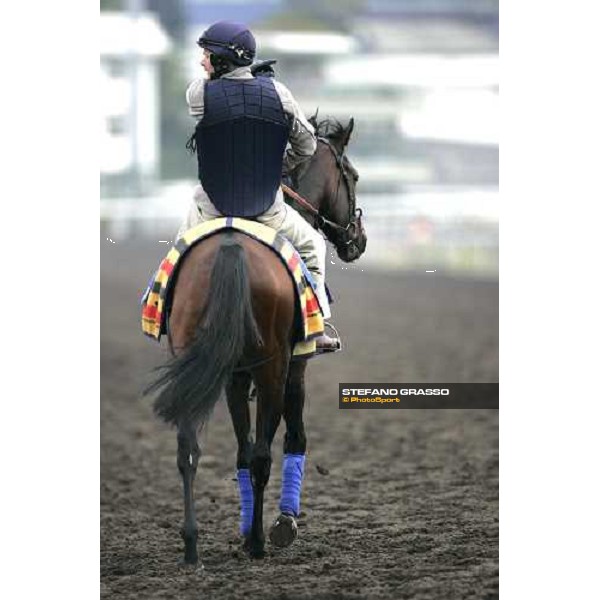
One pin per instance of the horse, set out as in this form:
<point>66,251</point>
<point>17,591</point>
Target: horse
<point>231,323</point>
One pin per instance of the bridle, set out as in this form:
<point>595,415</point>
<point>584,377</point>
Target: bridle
<point>344,236</point>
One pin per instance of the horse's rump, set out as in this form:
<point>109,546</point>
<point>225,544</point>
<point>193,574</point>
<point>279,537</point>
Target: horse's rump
<point>222,274</point>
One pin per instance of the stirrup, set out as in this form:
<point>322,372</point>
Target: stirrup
<point>337,336</point>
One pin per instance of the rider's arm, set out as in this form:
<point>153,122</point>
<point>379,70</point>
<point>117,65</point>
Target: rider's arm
<point>302,135</point>
<point>194,96</point>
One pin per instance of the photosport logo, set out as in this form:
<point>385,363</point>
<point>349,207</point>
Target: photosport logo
<point>418,395</point>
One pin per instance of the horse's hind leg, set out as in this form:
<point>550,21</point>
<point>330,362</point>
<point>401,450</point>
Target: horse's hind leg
<point>237,400</point>
<point>295,438</point>
<point>188,454</point>
<point>285,530</point>
<point>270,384</point>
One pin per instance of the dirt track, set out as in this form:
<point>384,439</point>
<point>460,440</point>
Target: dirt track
<point>409,505</point>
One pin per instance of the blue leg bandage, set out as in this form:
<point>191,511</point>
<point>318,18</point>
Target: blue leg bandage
<point>246,500</point>
<point>291,483</point>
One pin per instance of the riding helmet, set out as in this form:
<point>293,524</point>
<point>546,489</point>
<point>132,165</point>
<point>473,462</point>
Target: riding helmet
<point>232,41</point>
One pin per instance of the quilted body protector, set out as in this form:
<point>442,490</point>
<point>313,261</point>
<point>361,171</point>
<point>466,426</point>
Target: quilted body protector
<point>240,143</point>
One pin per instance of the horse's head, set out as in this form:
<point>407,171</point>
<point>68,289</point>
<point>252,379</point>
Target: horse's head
<point>328,182</point>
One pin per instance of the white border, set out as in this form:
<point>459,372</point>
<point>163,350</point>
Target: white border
<point>548,299</point>
<point>50,424</point>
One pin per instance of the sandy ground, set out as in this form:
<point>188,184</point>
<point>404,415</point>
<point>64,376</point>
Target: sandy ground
<point>408,504</point>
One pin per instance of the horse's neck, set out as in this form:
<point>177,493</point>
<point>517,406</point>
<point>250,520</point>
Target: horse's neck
<point>312,191</point>
<point>318,185</point>
<point>329,205</point>
<point>330,188</point>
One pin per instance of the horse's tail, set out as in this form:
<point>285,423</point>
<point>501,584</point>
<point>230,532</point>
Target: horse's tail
<point>191,383</point>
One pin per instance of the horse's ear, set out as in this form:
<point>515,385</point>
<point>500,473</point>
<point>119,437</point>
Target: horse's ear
<point>348,132</point>
<point>313,120</point>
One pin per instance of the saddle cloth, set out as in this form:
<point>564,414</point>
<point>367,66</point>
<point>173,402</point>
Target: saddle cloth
<point>309,322</point>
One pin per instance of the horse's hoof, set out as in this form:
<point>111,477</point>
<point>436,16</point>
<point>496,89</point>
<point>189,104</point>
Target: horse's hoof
<point>258,553</point>
<point>284,531</point>
<point>190,565</point>
<point>253,550</point>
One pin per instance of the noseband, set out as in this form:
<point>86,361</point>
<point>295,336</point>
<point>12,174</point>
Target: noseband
<point>343,236</point>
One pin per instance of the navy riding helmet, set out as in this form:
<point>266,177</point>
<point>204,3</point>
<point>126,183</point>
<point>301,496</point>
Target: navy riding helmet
<point>231,41</point>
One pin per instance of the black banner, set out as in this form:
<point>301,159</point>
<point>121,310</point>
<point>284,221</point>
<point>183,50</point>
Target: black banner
<point>418,395</point>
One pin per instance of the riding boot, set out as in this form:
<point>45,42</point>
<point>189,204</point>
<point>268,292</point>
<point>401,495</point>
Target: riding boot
<point>327,343</point>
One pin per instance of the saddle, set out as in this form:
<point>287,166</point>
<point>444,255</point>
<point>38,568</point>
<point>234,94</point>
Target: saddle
<point>156,301</point>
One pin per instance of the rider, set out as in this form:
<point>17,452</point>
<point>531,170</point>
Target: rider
<point>241,160</point>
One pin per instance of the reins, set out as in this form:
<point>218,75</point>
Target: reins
<point>321,220</point>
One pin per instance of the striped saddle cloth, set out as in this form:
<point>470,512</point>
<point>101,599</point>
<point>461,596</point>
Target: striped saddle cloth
<point>157,297</point>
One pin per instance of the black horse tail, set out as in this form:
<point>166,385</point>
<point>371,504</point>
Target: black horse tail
<point>191,383</point>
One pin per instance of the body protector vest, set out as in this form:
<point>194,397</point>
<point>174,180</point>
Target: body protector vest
<point>240,144</point>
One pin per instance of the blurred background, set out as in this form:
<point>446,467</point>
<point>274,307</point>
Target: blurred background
<point>420,77</point>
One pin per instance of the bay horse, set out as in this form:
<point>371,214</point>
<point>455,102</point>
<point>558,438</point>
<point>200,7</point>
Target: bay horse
<point>231,323</point>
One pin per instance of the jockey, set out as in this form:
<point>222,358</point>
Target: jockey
<point>241,181</point>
